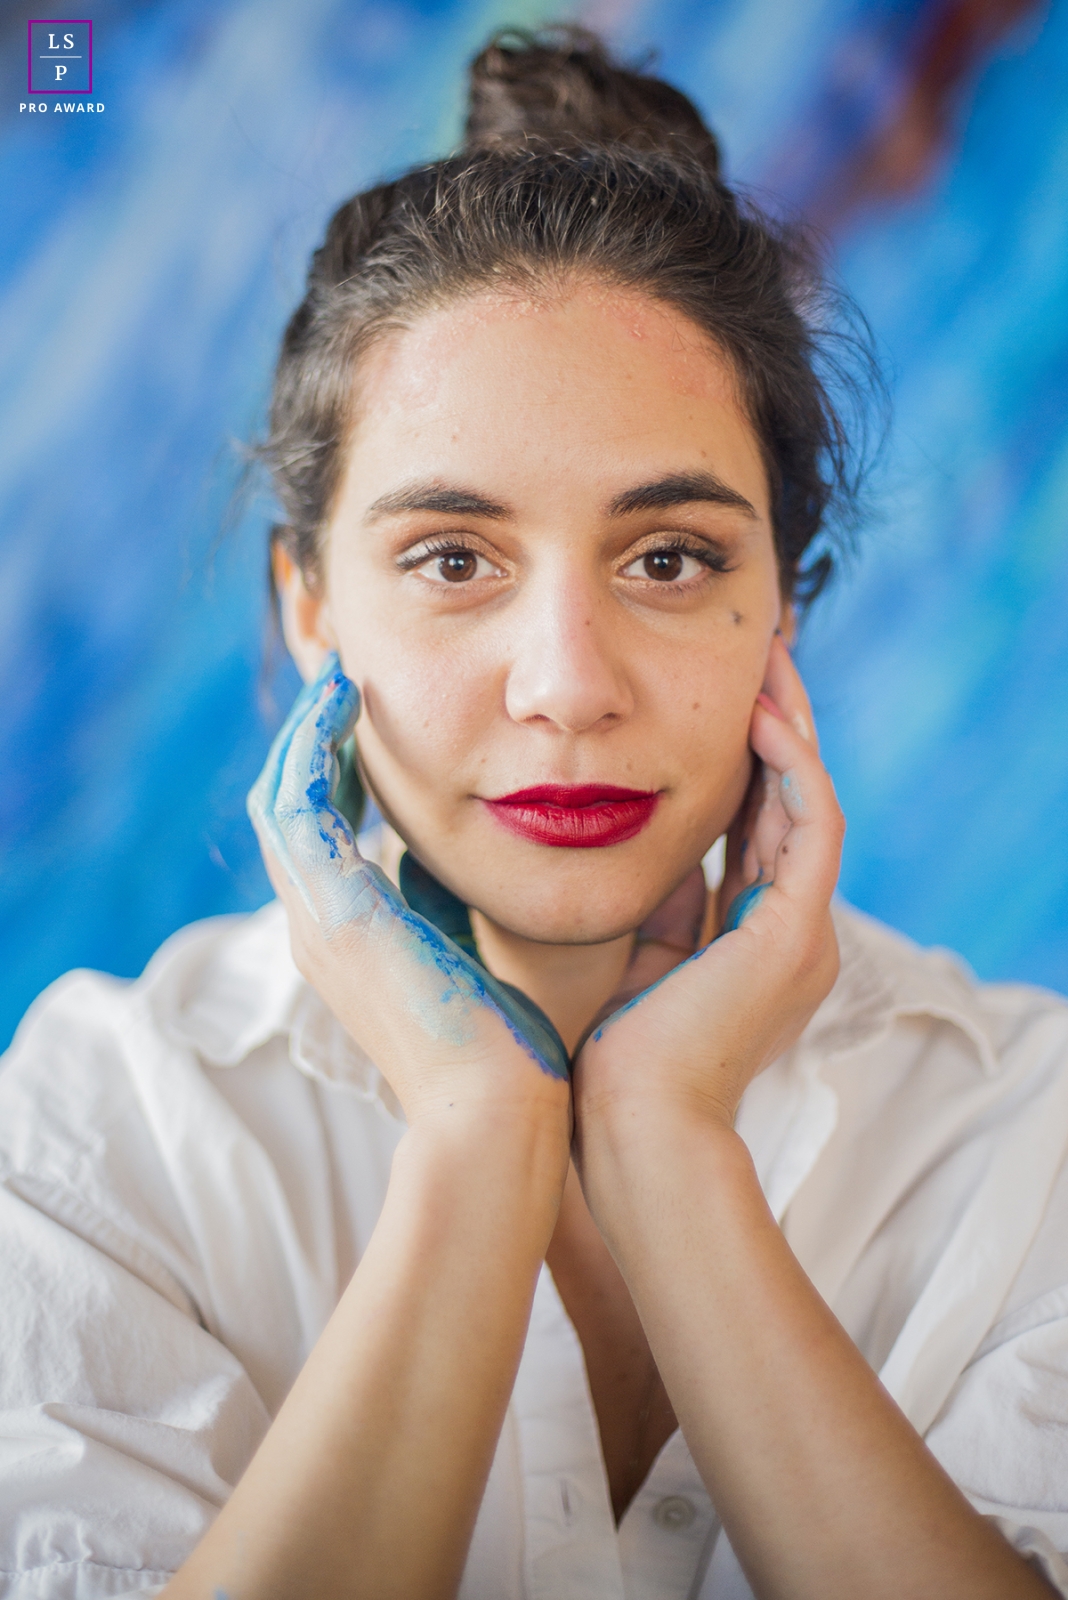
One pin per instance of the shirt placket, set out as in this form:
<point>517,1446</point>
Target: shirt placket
<point>668,1530</point>
<point>571,1550</point>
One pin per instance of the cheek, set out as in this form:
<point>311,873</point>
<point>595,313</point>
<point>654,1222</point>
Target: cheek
<point>706,697</point>
<point>427,709</point>
<point>704,711</point>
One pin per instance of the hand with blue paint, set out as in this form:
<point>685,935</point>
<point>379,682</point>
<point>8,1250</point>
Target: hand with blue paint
<point>697,1036</point>
<point>438,1025</point>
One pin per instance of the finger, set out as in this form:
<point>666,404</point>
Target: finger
<point>263,794</point>
<point>782,682</point>
<point>785,691</point>
<point>290,804</point>
<point>319,841</point>
<point>769,825</point>
<point>260,802</point>
<point>808,857</point>
<point>752,845</point>
<point>740,863</point>
<point>308,768</point>
<point>743,905</point>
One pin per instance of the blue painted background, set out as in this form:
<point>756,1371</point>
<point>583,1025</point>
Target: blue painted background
<point>149,257</point>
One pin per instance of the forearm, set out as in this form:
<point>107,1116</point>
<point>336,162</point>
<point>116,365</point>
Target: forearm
<point>370,1479</point>
<point>825,1490</point>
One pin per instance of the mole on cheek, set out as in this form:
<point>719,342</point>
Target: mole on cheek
<point>736,617</point>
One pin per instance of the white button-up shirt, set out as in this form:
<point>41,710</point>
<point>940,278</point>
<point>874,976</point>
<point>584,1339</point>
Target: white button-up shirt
<point>192,1165</point>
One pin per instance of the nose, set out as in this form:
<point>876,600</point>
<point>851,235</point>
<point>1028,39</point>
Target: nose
<point>567,666</point>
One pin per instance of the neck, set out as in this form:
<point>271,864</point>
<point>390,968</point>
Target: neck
<point>569,982</point>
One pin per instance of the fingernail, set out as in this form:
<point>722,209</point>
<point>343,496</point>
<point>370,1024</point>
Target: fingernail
<point>768,703</point>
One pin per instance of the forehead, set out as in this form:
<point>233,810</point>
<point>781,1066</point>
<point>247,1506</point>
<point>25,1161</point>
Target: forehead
<point>593,384</point>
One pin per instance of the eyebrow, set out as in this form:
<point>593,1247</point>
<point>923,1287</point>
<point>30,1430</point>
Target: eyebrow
<point>679,489</point>
<point>436,497</point>
<point>674,489</point>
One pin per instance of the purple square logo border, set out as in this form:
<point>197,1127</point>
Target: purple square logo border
<point>55,22</point>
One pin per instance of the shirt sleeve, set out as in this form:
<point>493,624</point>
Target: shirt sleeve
<point>123,1423</point>
<point>1003,1434</point>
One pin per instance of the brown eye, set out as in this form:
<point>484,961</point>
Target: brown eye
<point>453,566</point>
<point>458,566</point>
<point>665,565</point>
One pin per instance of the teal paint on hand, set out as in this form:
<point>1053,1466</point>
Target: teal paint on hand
<point>743,905</point>
<point>294,805</point>
<point>791,793</point>
<point>430,899</point>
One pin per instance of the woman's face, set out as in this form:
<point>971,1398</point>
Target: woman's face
<point>550,567</point>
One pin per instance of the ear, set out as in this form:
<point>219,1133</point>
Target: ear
<point>306,624</point>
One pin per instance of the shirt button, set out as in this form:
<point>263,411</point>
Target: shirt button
<point>674,1513</point>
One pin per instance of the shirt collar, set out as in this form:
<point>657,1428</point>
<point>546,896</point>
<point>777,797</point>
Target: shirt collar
<point>228,987</point>
<point>244,991</point>
<point>789,1112</point>
<point>884,976</point>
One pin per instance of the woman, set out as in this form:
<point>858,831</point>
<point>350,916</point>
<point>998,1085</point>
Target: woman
<point>581,1288</point>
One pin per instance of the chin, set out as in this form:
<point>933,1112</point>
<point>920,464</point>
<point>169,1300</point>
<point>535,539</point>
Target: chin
<point>582,907</point>
<point>562,928</point>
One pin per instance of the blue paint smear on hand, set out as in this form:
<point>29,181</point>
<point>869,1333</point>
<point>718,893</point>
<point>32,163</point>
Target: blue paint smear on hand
<point>445,911</point>
<point>743,905</point>
<point>293,804</point>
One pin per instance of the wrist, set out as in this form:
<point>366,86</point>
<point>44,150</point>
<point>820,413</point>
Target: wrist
<point>619,1087</point>
<point>635,1119</point>
<point>511,1158</point>
<point>641,1162</point>
<point>502,1089</point>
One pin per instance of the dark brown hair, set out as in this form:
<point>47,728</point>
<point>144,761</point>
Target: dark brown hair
<point>573,164</point>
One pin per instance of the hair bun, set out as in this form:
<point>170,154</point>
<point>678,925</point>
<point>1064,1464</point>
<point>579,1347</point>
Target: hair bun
<point>560,86</point>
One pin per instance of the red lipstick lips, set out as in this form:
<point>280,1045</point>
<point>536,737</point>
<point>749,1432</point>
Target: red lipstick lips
<point>579,816</point>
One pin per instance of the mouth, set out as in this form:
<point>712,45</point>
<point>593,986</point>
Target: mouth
<point>580,816</point>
